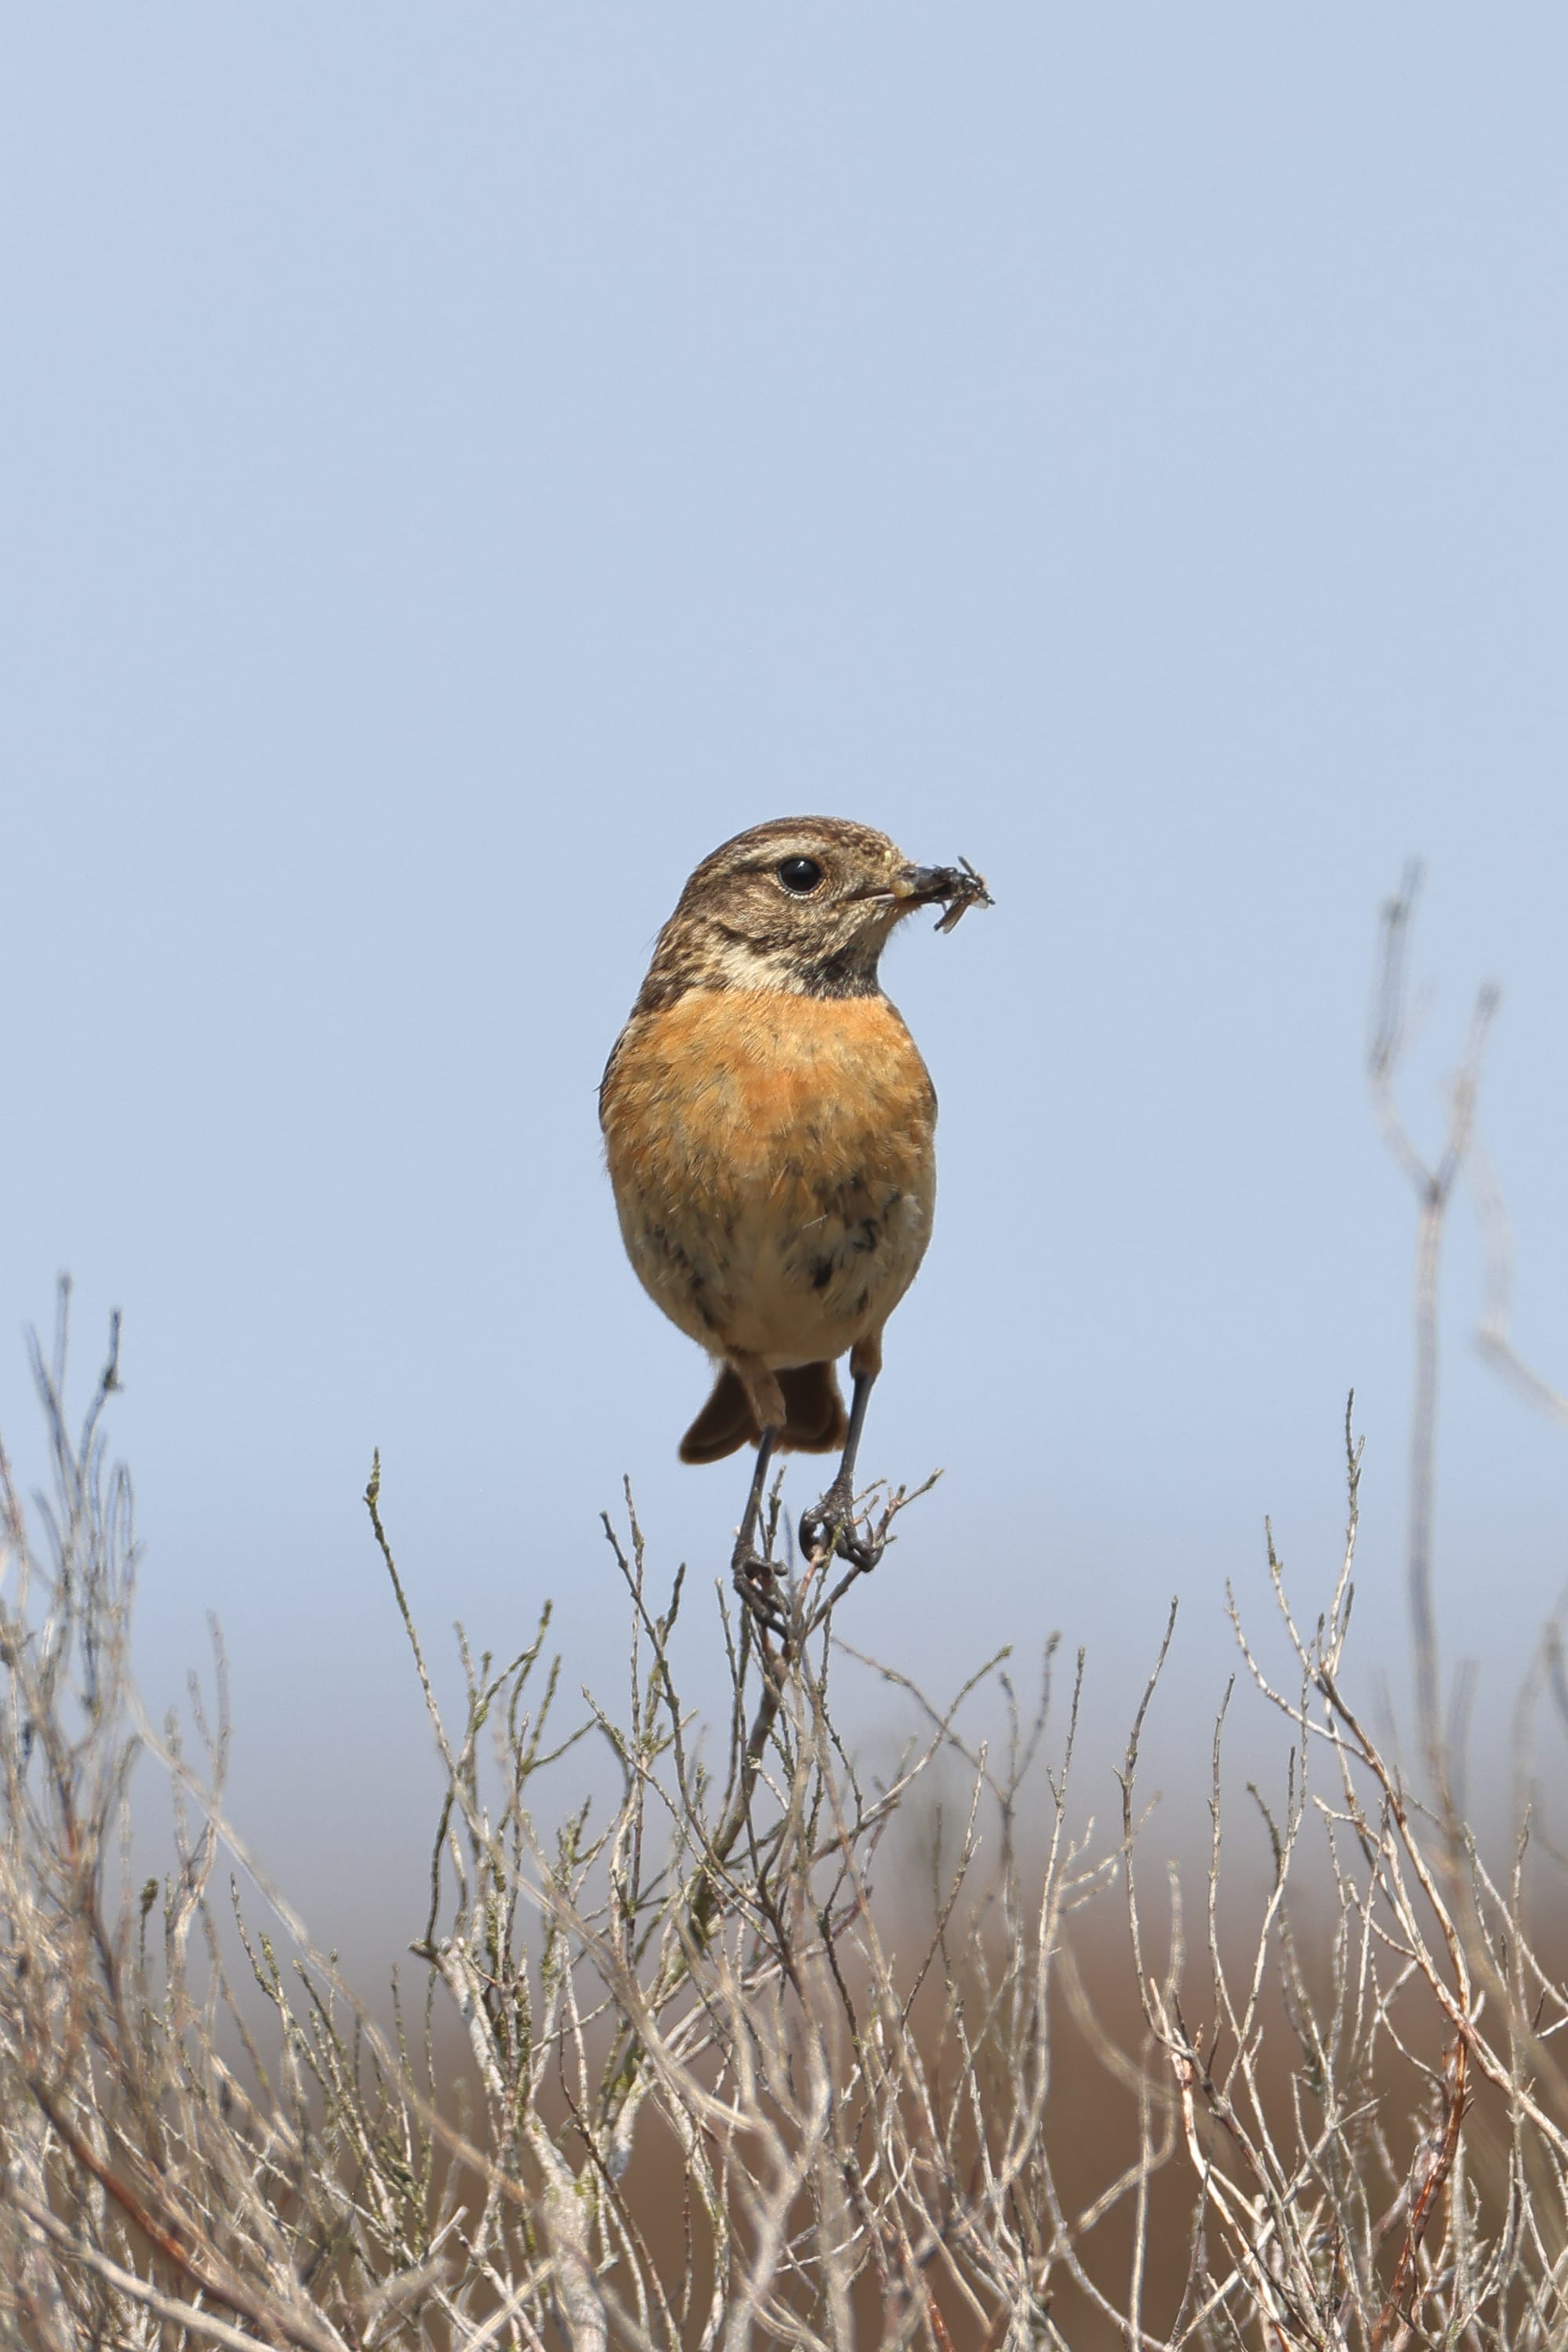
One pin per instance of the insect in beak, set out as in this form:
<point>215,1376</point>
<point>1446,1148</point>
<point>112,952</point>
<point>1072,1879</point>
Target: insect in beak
<point>955,888</point>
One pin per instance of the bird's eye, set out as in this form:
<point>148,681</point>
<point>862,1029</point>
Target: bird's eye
<point>799,875</point>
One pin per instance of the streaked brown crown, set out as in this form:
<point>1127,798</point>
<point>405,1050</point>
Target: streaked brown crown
<point>754,916</point>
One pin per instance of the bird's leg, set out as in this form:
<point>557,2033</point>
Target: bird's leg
<point>745,1554</point>
<point>827,1528</point>
<point>754,1575</point>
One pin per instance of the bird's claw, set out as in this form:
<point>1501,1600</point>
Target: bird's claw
<point>827,1532</point>
<point>754,1578</point>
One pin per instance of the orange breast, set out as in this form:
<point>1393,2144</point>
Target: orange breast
<point>772,1157</point>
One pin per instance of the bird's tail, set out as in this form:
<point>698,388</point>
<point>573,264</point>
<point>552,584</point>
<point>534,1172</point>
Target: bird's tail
<point>815,1418</point>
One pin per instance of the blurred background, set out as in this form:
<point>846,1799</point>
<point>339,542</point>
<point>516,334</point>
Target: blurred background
<point>462,465</point>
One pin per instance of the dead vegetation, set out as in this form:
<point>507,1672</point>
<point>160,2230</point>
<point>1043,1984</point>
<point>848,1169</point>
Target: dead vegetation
<point>716,2091</point>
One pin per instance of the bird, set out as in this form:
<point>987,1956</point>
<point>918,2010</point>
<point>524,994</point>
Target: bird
<point>769,1130</point>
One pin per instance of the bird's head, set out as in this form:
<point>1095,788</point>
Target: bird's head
<point>804,904</point>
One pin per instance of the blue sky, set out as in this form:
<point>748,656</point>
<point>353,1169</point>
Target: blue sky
<point>463,464</point>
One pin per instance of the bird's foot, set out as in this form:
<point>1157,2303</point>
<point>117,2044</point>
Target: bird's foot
<point>827,1532</point>
<point>756,1581</point>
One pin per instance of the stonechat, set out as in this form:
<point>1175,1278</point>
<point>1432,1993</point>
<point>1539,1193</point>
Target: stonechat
<point>769,1127</point>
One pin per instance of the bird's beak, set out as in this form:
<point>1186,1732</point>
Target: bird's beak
<point>955,887</point>
<point>922,885</point>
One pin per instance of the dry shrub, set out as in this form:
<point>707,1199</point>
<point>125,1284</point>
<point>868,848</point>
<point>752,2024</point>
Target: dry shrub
<point>718,2097</point>
<point>720,2092</point>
